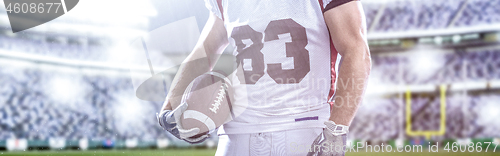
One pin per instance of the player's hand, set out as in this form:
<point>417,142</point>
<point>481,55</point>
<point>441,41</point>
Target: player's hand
<point>168,121</point>
<point>331,142</point>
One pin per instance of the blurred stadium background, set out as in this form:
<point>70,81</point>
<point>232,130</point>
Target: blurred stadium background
<point>71,83</point>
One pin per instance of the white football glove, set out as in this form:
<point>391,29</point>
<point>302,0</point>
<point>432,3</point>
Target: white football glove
<point>331,142</point>
<point>169,120</point>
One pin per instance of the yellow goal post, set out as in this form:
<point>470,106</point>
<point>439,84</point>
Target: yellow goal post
<point>427,134</point>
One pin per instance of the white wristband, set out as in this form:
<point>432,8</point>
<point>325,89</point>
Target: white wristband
<point>335,129</point>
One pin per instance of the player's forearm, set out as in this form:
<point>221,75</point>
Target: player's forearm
<point>212,42</point>
<point>192,66</point>
<point>351,84</point>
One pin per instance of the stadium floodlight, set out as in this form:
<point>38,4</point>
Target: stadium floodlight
<point>427,134</point>
<point>426,62</point>
<point>128,109</point>
<point>67,90</point>
<point>128,114</point>
<point>120,53</point>
<point>489,112</point>
<point>457,38</point>
<point>375,83</point>
<point>438,40</point>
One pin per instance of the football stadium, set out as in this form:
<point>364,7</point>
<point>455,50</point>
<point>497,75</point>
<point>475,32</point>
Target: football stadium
<point>75,85</point>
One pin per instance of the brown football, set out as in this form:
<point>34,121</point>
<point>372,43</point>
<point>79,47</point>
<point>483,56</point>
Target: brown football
<point>209,102</point>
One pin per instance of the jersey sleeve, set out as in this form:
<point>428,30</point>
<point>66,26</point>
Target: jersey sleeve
<point>330,4</point>
<point>214,7</point>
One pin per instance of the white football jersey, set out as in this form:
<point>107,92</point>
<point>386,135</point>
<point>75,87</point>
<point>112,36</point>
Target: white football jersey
<point>285,63</point>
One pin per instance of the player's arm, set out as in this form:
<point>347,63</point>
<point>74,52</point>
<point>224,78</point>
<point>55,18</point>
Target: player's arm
<point>212,42</point>
<point>347,27</point>
<point>346,23</point>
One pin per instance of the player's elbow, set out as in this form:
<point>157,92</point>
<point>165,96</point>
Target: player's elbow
<point>366,60</point>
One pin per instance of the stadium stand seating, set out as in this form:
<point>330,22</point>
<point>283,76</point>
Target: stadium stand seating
<point>28,111</point>
<point>412,15</point>
<point>479,12</point>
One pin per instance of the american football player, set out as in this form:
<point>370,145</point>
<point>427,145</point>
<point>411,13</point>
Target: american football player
<point>290,55</point>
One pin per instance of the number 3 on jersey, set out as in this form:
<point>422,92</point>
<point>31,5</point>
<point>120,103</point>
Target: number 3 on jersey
<point>295,49</point>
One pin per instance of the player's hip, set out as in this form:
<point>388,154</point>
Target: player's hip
<point>287,142</point>
<point>252,121</point>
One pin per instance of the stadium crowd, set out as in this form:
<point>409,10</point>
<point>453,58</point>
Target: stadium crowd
<point>29,109</point>
<point>448,68</point>
<point>407,15</point>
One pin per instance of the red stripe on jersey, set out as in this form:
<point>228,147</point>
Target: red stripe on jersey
<point>219,3</point>
<point>333,60</point>
<point>321,5</point>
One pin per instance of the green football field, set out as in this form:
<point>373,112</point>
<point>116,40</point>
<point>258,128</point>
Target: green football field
<point>207,152</point>
<point>166,152</point>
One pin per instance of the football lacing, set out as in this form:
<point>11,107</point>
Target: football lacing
<point>218,100</point>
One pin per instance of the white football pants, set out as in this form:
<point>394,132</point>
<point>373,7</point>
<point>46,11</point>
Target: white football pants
<point>287,143</point>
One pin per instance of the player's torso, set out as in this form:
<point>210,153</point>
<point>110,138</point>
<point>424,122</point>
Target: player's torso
<point>282,49</point>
